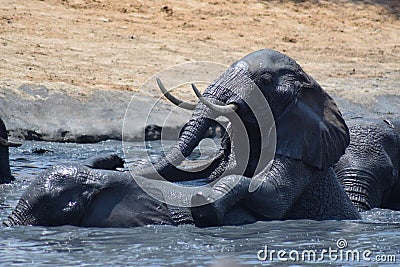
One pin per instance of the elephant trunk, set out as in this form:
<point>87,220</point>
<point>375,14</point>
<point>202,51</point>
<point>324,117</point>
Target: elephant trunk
<point>193,133</point>
<point>190,137</point>
<point>361,187</point>
<point>21,215</point>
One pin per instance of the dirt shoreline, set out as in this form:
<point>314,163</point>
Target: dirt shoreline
<point>103,50</point>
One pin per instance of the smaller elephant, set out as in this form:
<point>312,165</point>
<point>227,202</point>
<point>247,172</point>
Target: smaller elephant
<point>75,194</point>
<point>369,169</point>
<point>5,172</point>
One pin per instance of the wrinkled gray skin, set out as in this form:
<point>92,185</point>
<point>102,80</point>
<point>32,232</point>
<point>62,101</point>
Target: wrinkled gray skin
<point>299,184</point>
<point>5,172</point>
<point>75,194</point>
<point>369,170</point>
<point>311,136</point>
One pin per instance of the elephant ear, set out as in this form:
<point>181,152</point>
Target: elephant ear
<point>310,127</point>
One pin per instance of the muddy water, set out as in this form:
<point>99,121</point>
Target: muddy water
<point>377,234</point>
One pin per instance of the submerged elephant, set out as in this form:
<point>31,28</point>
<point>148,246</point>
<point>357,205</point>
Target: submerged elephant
<point>76,194</point>
<point>369,169</point>
<point>5,172</point>
<point>297,183</point>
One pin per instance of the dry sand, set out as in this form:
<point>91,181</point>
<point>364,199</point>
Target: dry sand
<point>84,45</point>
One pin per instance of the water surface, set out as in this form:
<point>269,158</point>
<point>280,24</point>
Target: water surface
<point>186,245</point>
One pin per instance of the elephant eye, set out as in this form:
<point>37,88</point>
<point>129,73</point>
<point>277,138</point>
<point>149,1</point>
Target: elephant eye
<point>266,78</point>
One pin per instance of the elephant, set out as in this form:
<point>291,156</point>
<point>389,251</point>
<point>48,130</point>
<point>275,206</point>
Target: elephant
<point>369,169</point>
<point>311,135</point>
<point>266,96</point>
<point>95,194</point>
<point>5,172</point>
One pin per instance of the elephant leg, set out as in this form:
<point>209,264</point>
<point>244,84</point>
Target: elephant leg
<point>223,195</point>
<point>280,188</point>
<point>290,189</point>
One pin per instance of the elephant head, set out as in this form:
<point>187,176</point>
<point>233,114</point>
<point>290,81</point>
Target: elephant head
<point>370,168</point>
<point>5,172</point>
<point>308,124</point>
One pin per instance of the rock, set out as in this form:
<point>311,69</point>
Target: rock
<point>70,114</point>
<point>41,151</point>
<point>153,132</point>
<point>36,112</point>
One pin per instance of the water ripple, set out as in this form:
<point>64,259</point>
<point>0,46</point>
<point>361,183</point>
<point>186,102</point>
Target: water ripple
<point>184,245</point>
